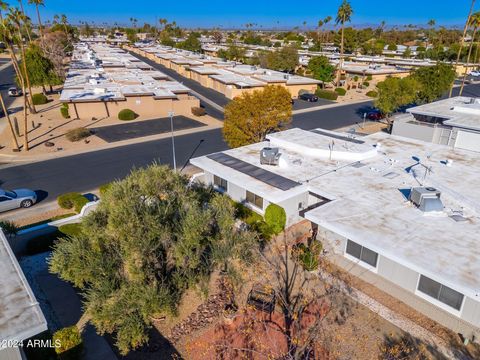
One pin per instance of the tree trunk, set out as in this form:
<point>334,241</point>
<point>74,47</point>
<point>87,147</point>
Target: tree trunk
<point>33,110</point>
<point>468,60</point>
<point>462,42</point>
<point>25,121</point>
<point>340,64</point>
<point>40,28</point>
<point>14,138</point>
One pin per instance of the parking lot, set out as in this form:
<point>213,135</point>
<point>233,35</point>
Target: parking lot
<point>114,133</point>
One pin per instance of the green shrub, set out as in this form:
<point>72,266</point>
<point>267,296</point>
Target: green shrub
<point>341,91</point>
<point>39,99</point>
<point>9,227</point>
<point>308,256</point>
<point>369,77</point>
<point>72,200</point>
<point>326,94</point>
<point>276,218</point>
<point>127,115</point>
<point>64,111</point>
<point>70,342</point>
<point>78,134</point>
<point>198,111</point>
<point>355,78</point>
<point>104,188</point>
<point>372,94</point>
<point>254,221</point>
<point>366,84</point>
<point>70,229</point>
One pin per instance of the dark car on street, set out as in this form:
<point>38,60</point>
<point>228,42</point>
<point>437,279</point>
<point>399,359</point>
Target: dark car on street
<point>308,97</point>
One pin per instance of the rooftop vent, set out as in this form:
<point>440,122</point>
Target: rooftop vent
<point>269,156</point>
<point>427,199</point>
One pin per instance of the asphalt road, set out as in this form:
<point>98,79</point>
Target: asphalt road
<point>87,171</point>
<point>7,77</point>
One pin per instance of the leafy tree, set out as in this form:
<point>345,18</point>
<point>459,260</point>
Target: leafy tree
<point>191,43</point>
<point>150,239</point>
<point>283,59</point>
<point>321,69</point>
<point>41,70</point>
<point>434,81</point>
<point>233,52</point>
<point>394,93</point>
<point>251,116</point>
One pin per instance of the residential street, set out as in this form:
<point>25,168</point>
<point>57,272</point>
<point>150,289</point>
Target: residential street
<point>87,171</point>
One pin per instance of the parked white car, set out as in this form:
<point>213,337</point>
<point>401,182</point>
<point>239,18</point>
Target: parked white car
<point>18,198</point>
<point>475,73</point>
<point>13,92</point>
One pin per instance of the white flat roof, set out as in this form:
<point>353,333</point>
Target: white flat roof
<point>460,111</point>
<point>367,183</point>
<point>20,313</point>
<point>87,81</point>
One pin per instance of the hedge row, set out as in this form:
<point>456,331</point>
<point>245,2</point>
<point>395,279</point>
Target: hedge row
<point>372,94</point>
<point>326,94</point>
<point>340,91</point>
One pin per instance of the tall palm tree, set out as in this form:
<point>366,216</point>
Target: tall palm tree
<point>462,41</point>
<point>344,14</point>
<point>325,23</point>
<point>37,4</point>
<point>18,19</point>
<point>64,22</point>
<point>474,24</point>
<point>9,37</point>
<point>3,7</point>
<point>14,138</point>
<point>319,27</point>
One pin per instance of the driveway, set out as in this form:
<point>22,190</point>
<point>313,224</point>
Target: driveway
<point>214,96</point>
<point>143,128</point>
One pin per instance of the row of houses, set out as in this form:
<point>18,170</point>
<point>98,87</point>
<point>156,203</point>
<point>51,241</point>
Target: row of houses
<point>227,77</point>
<point>399,213</point>
<point>103,79</point>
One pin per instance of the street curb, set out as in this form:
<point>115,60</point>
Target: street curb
<point>14,160</point>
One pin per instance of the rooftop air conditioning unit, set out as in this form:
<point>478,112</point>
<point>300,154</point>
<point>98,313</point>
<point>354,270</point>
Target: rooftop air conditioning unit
<point>426,198</point>
<point>269,156</point>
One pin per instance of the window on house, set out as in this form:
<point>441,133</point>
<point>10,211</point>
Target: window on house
<point>220,183</point>
<point>362,253</point>
<point>255,199</point>
<point>440,292</point>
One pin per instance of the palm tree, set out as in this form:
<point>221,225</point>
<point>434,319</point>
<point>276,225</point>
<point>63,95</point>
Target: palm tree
<point>344,15</point>
<point>462,41</point>
<point>320,24</point>
<point>64,22</point>
<point>37,4</point>
<point>14,138</point>
<point>325,22</point>
<point>3,7</point>
<point>7,35</point>
<point>474,24</point>
<point>18,18</point>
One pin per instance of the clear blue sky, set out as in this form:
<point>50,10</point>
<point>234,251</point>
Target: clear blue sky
<point>230,13</point>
